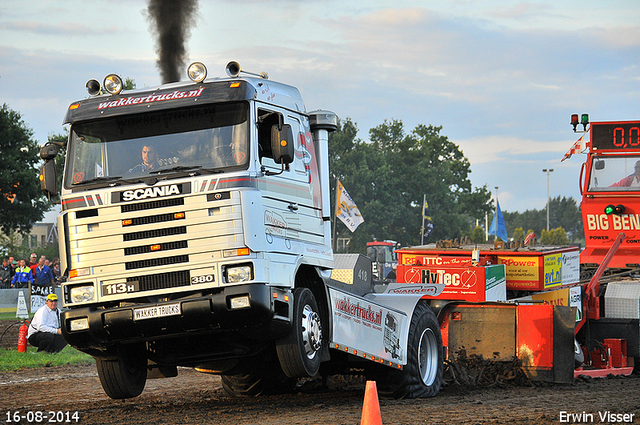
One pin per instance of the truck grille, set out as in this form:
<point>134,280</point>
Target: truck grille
<point>152,219</point>
<point>154,233</point>
<point>162,203</point>
<point>153,262</point>
<point>162,280</point>
<point>145,249</point>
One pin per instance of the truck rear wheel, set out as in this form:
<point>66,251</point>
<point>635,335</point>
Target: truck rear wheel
<point>422,376</point>
<point>299,352</point>
<point>125,377</point>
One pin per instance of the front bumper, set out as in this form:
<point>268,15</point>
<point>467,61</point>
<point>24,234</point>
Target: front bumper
<point>266,317</point>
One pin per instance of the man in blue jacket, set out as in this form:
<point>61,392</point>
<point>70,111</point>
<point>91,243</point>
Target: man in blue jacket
<point>43,274</point>
<point>23,276</point>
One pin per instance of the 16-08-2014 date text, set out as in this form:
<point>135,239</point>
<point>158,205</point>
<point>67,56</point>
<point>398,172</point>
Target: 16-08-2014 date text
<point>39,416</point>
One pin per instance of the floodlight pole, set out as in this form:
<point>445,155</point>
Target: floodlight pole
<point>548,171</point>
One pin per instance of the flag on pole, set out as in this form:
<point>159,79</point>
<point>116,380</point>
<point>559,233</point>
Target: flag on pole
<point>498,227</point>
<point>576,148</point>
<point>347,210</point>
<point>529,238</point>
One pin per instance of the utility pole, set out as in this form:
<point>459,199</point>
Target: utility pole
<point>548,171</point>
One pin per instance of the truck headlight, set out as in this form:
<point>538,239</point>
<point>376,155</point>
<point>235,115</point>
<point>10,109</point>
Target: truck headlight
<point>80,294</point>
<point>237,274</point>
<point>79,324</point>
<point>240,302</point>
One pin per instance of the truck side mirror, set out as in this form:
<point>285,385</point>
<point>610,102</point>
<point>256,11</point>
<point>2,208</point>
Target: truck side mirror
<point>49,179</point>
<point>48,151</point>
<point>282,144</point>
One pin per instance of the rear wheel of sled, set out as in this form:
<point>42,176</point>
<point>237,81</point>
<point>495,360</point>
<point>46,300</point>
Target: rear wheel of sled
<point>126,376</point>
<point>300,351</point>
<point>422,376</point>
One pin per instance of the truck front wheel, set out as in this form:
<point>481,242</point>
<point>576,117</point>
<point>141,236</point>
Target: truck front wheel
<point>125,377</point>
<point>299,352</point>
<point>422,376</point>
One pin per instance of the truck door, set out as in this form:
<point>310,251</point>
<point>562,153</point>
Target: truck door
<point>291,195</point>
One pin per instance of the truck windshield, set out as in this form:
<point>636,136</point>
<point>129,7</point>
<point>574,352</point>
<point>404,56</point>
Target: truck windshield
<point>210,138</point>
<point>615,173</point>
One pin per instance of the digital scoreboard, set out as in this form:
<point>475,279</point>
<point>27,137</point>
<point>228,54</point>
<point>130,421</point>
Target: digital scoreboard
<point>615,135</point>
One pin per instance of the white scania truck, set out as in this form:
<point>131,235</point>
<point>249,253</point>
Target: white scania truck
<point>195,231</point>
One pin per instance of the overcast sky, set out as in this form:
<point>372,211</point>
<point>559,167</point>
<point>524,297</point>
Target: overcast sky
<point>501,77</point>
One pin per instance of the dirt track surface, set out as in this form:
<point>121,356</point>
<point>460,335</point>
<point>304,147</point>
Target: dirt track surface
<point>194,398</point>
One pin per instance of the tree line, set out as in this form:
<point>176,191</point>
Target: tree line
<point>388,176</point>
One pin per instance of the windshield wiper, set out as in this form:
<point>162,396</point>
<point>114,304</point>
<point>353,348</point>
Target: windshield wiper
<point>98,179</point>
<point>176,168</point>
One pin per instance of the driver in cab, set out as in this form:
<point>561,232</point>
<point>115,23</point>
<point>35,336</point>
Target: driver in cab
<point>149,160</point>
<point>632,180</point>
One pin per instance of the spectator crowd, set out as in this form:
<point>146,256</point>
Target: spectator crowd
<point>18,273</point>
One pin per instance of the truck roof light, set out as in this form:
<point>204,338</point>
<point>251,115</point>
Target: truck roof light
<point>584,120</point>
<point>574,121</point>
<point>197,72</point>
<point>113,84</point>
<point>93,87</point>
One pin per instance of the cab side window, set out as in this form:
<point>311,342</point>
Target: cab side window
<point>266,119</point>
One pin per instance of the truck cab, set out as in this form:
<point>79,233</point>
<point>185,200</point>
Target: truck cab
<point>610,188</point>
<point>195,220</point>
<point>384,258</point>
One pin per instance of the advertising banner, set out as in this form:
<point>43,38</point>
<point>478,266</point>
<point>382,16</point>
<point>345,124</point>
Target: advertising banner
<point>369,327</point>
<point>523,272</point>
<point>570,267</point>
<point>552,270</point>
<point>474,284</point>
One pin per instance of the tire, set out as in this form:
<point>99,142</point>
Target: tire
<point>579,355</point>
<point>125,377</point>
<point>422,376</point>
<point>300,351</point>
<point>252,385</point>
<point>258,376</point>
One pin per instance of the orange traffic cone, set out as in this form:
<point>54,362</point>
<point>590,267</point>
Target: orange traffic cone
<point>371,406</point>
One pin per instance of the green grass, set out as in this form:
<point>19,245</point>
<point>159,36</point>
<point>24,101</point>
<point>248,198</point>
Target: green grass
<point>11,316</point>
<point>12,360</point>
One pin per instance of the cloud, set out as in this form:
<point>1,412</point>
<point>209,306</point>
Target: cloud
<point>60,28</point>
<point>498,148</point>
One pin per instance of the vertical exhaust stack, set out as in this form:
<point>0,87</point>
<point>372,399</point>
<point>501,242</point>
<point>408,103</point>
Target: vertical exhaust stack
<point>322,123</point>
<point>172,26</point>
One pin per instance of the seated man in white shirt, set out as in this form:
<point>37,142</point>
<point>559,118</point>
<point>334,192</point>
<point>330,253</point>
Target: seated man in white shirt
<point>44,331</point>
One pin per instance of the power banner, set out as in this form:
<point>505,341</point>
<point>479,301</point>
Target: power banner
<point>539,272</point>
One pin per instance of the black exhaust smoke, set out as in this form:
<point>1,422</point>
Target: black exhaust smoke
<point>173,20</point>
